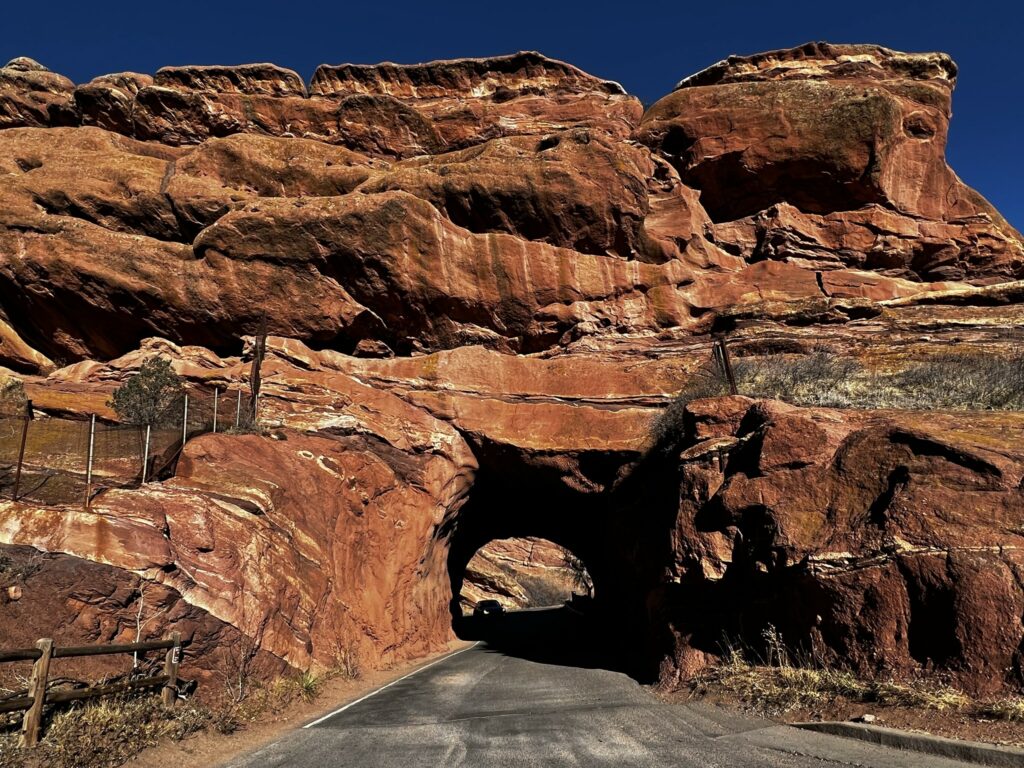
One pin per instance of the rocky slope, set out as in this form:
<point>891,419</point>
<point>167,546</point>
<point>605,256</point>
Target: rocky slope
<point>519,573</point>
<point>484,279</point>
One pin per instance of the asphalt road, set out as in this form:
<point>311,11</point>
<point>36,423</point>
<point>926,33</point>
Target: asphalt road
<point>488,707</point>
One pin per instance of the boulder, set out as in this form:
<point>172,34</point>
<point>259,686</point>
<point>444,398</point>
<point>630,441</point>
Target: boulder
<point>32,95</point>
<point>824,129</point>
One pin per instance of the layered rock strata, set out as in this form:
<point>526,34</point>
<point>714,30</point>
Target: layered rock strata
<point>484,279</point>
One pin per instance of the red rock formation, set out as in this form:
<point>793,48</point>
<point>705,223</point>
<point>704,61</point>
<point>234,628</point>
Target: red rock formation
<point>312,543</point>
<point>188,230</point>
<point>30,94</point>
<point>484,278</point>
<point>826,129</point>
<point>900,532</point>
<point>519,573</point>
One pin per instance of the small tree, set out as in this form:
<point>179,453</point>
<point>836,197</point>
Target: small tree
<point>149,396</point>
<point>579,576</point>
<point>12,395</point>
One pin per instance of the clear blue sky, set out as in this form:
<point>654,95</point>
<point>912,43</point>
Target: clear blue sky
<point>646,46</point>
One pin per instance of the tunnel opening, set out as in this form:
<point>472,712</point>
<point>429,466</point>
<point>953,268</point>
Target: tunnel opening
<point>524,573</point>
<point>571,502</point>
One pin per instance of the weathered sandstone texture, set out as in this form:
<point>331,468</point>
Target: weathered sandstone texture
<point>901,533</point>
<point>483,280</point>
<point>519,573</point>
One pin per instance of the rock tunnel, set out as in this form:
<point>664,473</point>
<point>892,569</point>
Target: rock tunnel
<point>588,503</point>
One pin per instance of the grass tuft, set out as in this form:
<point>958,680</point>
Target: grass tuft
<point>1011,709</point>
<point>308,685</point>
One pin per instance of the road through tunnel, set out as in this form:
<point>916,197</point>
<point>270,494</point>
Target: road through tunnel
<point>569,500</point>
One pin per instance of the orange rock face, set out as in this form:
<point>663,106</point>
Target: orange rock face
<point>484,278</point>
<point>519,573</point>
<point>826,129</point>
<point>900,532</point>
<point>314,543</point>
<point>384,196</point>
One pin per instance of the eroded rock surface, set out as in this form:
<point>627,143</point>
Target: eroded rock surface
<point>902,534</point>
<point>313,543</point>
<point>519,573</point>
<point>483,279</point>
<point>792,138</point>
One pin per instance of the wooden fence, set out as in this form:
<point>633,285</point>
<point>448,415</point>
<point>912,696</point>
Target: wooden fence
<point>38,697</point>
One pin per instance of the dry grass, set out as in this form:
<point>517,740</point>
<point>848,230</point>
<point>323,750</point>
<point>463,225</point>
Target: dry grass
<point>954,381</point>
<point>107,732</point>
<point>104,733</point>
<point>947,381</point>
<point>1011,709</point>
<point>777,685</point>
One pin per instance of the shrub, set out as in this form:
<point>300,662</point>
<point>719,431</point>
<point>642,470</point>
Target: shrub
<point>150,396</point>
<point>578,574</point>
<point>1011,709</point>
<point>668,429</point>
<point>12,394</point>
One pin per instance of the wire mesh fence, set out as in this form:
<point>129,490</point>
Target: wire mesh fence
<point>50,460</point>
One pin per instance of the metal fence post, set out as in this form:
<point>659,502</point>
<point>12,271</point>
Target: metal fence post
<point>216,399</point>
<point>184,423</point>
<point>238,409</point>
<point>21,450</point>
<point>171,662</point>
<point>145,456</point>
<point>726,363</point>
<point>37,689</point>
<point>88,463</point>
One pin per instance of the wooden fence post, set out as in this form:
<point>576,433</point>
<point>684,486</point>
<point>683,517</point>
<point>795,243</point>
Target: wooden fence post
<point>37,690</point>
<point>171,662</point>
<point>726,362</point>
<point>21,450</point>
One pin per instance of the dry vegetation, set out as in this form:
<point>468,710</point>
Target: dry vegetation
<point>969,381</point>
<point>951,381</point>
<point>107,732</point>
<point>776,684</point>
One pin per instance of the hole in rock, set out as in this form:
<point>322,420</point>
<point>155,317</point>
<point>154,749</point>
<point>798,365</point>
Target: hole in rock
<point>531,598</point>
<point>536,528</point>
<point>524,573</point>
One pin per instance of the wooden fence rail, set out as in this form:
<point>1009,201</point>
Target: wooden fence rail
<point>45,651</point>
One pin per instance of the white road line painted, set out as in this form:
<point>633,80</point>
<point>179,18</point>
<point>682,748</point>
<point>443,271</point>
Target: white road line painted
<point>403,677</point>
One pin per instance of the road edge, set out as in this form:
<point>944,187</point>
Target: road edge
<point>377,690</point>
<point>967,751</point>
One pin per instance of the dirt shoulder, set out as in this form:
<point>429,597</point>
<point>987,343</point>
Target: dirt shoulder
<point>950,723</point>
<point>210,748</point>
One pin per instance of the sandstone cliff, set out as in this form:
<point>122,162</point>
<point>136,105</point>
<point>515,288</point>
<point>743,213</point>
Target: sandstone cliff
<point>484,278</point>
